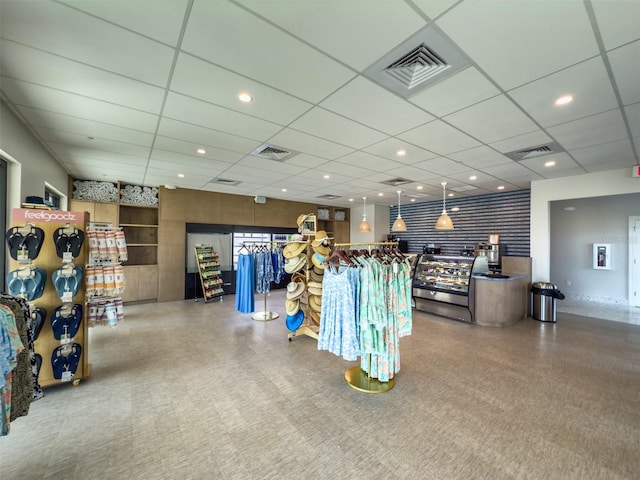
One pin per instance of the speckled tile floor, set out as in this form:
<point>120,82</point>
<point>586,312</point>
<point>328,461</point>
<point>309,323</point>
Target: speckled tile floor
<point>198,391</point>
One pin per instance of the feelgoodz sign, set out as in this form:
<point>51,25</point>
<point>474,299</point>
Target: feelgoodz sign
<point>28,215</point>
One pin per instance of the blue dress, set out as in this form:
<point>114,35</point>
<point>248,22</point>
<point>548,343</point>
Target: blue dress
<point>245,283</point>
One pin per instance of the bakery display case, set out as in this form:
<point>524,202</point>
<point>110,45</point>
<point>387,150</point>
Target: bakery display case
<point>444,284</point>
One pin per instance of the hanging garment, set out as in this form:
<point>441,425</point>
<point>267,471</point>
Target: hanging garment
<point>339,331</point>
<point>245,283</point>
<point>277,259</point>
<point>264,271</point>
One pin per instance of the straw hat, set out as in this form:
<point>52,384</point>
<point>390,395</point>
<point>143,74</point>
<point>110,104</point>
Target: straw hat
<point>294,264</point>
<point>295,246</point>
<point>318,270</point>
<point>316,276</point>
<point>315,317</point>
<point>318,260</point>
<point>322,250</point>
<point>315,288</point>
<point>292,306</point>
<point>295,290</point>
<point>321,239</point>
<point>299,277</point>
<point>315,302</point>
<point>302,218</point>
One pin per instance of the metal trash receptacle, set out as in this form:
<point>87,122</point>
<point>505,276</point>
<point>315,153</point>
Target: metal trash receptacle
<point>544,301</point>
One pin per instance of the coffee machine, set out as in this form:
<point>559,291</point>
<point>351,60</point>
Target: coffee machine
<point>491,251</point>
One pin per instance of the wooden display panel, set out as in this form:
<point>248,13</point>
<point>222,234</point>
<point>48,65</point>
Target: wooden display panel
<point>141,235</point>
<point>49,221</point>
<point>141,283</point>
<point>138,215</point>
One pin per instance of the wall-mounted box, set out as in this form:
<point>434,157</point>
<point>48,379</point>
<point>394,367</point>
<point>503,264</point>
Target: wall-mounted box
<point>602,256</point>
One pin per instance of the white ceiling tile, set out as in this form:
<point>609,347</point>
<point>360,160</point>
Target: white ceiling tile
<point>492,120</point>
<point>351,25</point>
<point>636,142</point>
<point>307,161</point>
<point>633,117</point>
<point>31,95</point>
<point>195,166</point>
<point>366,161</point>
<point>22,62</point>
<point>480,157</point>
<point>462,90</point>
<point>507,170</point>
<point>346,169</point>
<point>367,103</point>
<point>626,71</point>
<point>318,180</point>
<point>134,15</point>
<point>82,154</point>
<point>410,173</point>
<point>609,165</point>
<point>433,8</point>
<point>464,177</point>
<point>442,166</point>
<point>67,32</point>
<point>242,172</point>
<point>506,38</point>
<point>589,84</point>
<point>201,136</point>
<point>522,142</point>
<point>439,137</point>
<point>565,173</point>
<point>601,128</point>
<point>603,155</point>
<point>73,140</point>
<point>261,50</point>
<point>195,77</point>
<point>185,151</point>
<point>524,181</point>
<point>389,149</point>
<point>324,124</point>
<point>282,168</point>
<point>619,22</point>
<point>537,164</point>
<point>186,109</point>
<point>66,123</point>
<point>301,142</point>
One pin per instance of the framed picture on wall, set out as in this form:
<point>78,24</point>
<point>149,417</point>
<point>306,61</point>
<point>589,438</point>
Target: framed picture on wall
<point>602,256</point>
<point>494,238</point>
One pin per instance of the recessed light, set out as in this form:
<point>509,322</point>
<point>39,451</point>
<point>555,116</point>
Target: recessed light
<point>181,175</point>
<point>284,189</point>
<point>381,194</point>
<point>327,176</point>
<point>501,187</point>
<point>569,209</point>
<point>455,209</point>
<point>351,199</point>
<point>245,97</point>
<point>201,151</point>
<point>450,195</point>
<point>401,153</point>
<point>473,177</point>
<point>564,100</point>
<point>419,187</point>
<point>550,163</point>
<point>413,199</point>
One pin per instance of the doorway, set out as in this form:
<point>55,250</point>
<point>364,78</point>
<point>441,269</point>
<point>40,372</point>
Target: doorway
<point>634,261</point>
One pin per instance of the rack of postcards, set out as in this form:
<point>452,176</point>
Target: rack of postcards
<point>104,274</point>
<point>209,272</point>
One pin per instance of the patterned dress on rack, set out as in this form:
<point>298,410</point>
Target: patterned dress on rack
<point>339,330</point>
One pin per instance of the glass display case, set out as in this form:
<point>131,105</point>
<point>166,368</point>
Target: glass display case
<point>442,284</point>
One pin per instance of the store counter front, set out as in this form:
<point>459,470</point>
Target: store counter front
<point>499,300</point>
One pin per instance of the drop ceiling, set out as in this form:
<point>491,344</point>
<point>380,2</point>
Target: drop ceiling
<point>130,90</point>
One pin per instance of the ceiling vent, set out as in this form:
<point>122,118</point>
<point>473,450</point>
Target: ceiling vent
<point>420,62</point>
<point>396,182</point>
<point>532,152</point>
<point>328,196</point>
<point>225,181</point>
<point>271,152</point>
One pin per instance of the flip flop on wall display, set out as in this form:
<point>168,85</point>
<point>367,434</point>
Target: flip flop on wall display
<point>65,360</point>
<point>38,317</point>
<point>27,282</point>
<point>24,242</point>
<point>65,321</point>
<point>68,239</point>
<point>67,280</point>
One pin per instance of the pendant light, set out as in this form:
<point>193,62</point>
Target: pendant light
<point>444,221</point>
<point>364,225</point>
<point>399,225</point>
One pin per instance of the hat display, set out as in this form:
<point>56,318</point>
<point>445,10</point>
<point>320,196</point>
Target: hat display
<point>295,290</point>
<point>294,321</point>
<point>315,302</point>
<point>302,218</point>
<point>315,317</point>
<point>295,246</point>
<point>299,277</point>
<point>322,250</point>
<point>316,276</point>
<point>318,270</point>
<point>321,239</point>
<point>318,260</point>
<point>294,264</point>
<point>292,306</point>
<point>315,288</point>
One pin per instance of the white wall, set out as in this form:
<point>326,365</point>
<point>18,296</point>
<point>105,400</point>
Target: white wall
<point>614,182</point>
<point>378,218</point>
<point>35,165</point>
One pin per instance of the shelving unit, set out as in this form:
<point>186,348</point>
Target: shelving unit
<point>140,226</point>
<point>209,272</point>
<point>335,223</point>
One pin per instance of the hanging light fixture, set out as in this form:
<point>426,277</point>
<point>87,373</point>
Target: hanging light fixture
<point>444,221</point>
<point>364,225</point>
<point>399,225</point>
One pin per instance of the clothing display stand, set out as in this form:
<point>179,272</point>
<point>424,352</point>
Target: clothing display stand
<point>71,350</point>
<point>355,376</point>
<point>265,315</point>
<point>209,272</point>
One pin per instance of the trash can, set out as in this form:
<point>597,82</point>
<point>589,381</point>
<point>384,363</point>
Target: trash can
<point>544,301</point>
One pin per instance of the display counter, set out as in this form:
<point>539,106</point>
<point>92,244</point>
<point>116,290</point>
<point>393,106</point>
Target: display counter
<point>499,300</point>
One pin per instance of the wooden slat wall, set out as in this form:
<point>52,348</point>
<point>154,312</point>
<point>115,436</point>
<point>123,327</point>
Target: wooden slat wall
<point>505,213</point>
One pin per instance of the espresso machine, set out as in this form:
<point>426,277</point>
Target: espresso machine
<point>491,251</point>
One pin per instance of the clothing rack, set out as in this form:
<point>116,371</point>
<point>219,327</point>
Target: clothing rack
<point>366,244</point>
<point>265,315</point>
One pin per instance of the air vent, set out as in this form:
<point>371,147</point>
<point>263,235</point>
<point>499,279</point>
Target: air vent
<point>396,182</point>
<point>532,152</point>
<point>421,61</point>
<point>225,181</point>
<point>272,152</point>
<point>328,196</point>
<point>418,66</point>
